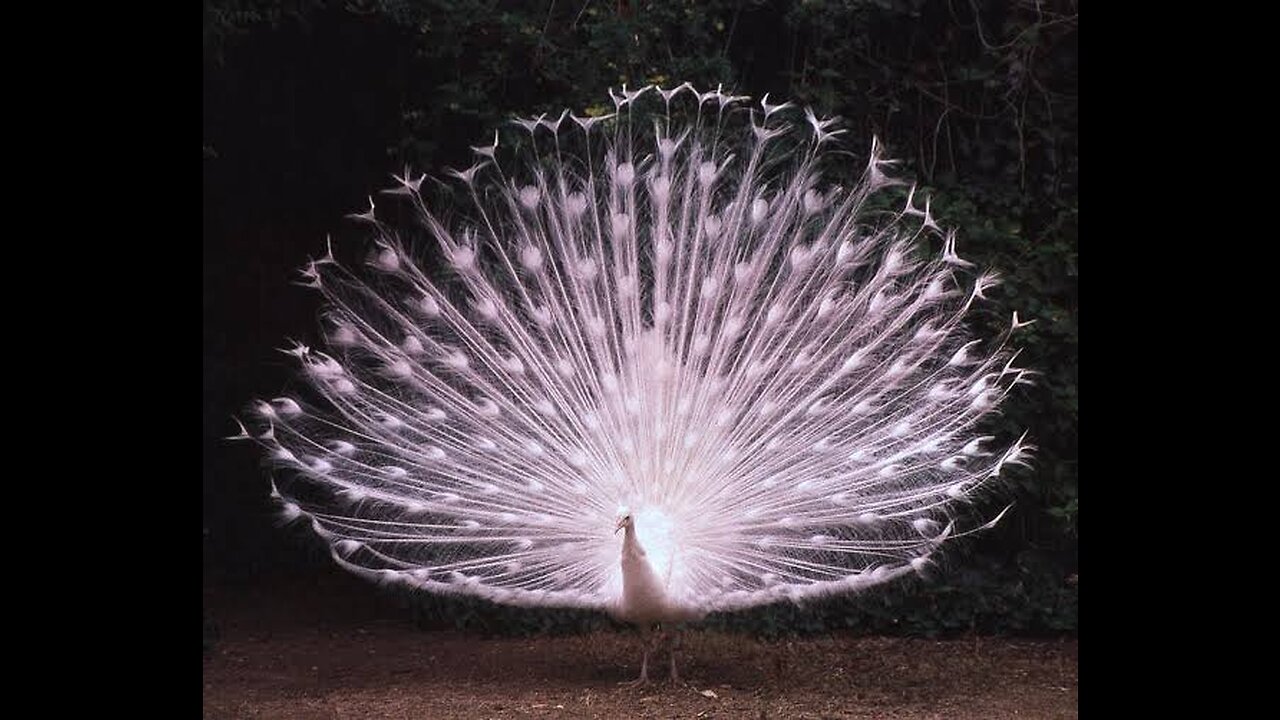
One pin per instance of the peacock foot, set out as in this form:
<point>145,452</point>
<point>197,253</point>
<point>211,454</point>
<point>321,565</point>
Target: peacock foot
<point>642,681</point>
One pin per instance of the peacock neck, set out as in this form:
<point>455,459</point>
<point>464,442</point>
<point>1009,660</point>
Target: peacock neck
<point>630,543</point>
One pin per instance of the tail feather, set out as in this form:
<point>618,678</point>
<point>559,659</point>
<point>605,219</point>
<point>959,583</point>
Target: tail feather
<point>686,321</point>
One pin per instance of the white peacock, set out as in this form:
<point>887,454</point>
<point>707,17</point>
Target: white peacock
<point>661,322</point>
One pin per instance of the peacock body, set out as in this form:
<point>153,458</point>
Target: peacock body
<point>660,323</point>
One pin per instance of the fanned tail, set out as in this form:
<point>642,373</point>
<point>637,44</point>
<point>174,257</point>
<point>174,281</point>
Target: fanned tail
<point>678,316</point>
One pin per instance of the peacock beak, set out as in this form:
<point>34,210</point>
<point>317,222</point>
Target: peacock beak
<point>621,523</point>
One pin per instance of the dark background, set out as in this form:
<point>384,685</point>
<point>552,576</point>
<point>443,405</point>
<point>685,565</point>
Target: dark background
<point>309,106</point>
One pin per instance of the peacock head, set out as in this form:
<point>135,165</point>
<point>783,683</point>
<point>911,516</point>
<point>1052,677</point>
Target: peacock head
<point>625,520</point>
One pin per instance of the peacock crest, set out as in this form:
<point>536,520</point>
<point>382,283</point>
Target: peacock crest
<point>665,309</point>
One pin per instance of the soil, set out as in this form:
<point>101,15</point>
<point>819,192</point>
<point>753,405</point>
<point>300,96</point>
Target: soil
<point>334,648</point>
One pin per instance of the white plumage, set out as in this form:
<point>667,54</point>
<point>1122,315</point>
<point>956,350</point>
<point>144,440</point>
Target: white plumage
<point>645,598</point>
<point>668,310</point>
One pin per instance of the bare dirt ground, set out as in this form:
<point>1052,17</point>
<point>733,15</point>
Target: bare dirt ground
<point>336,649</point>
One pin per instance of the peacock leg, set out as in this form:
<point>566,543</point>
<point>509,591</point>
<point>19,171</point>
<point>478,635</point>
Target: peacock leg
<point>651,639</point>
<point>677,637</point>
<point>644,668</point>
